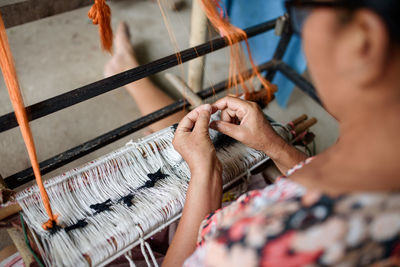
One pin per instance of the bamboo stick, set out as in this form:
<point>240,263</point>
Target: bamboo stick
<point>299,119</point>
<point>184,89</point>
<point>198,35</point>
<point>19,241</point>
<point>305,125</point>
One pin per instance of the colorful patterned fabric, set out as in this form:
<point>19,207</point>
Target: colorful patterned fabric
<point>287,225</point>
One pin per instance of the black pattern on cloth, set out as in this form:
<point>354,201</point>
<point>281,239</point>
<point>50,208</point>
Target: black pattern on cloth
<point>127,200</point>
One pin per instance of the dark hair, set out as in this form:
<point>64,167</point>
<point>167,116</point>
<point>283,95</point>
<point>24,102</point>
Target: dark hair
<point>388,10</point>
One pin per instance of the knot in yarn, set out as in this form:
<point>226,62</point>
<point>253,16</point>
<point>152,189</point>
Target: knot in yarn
<point>127,200</point>
<point>51,224</point>
<point>103,206</point>
<point>79,224</point>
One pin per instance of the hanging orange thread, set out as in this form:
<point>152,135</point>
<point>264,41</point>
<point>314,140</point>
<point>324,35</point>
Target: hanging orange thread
<point>10,77</point>
<point>100,14</point>
<point>233,36</point>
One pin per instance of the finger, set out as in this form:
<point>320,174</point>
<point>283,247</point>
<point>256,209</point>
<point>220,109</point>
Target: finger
<point>231,102</point>
<point>188,122</point>
<point>228,115</point>
<point>225,116</point>
<point>235,104</point>
<point>213,109</point>
<point>202,122</point>
<point>229,129</point>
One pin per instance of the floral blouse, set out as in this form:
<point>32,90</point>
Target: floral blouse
<point>287,225</point>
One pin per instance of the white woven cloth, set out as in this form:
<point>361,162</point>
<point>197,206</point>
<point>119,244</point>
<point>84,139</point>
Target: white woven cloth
<point>106,181</point>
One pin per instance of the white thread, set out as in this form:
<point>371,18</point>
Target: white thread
<point>143,246</point>
<point>113,176</point>
<point>151,254</point>
<point>128,256</point>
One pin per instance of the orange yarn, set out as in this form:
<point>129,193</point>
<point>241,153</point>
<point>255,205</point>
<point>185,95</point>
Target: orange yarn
<point>233,36</point>
<point>100,14</point>
<point>10,77</point>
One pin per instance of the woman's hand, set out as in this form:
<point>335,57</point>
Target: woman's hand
<point>245,122</point>
<point>193,142</point>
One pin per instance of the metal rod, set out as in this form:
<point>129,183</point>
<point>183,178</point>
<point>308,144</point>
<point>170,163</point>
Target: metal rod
<point>286,36</point>
<point>70,155</point>
<point>279,53</point>
<point>299,80</point>
<point>86,92</point>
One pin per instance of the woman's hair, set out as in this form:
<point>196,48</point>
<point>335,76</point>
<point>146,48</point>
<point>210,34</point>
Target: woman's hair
<point>388,10</point>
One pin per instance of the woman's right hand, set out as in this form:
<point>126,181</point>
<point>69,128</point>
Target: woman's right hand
<point>245,122</point>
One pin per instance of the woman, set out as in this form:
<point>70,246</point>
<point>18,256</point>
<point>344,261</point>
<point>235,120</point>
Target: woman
<point>341,208</point>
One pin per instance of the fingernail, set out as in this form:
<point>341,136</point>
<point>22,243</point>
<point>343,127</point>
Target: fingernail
<point>208,107</point>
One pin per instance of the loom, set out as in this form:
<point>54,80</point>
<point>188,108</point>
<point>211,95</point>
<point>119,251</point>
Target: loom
<point>142,173</point>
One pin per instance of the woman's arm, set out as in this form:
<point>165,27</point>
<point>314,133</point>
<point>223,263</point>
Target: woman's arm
<point>284,155</point>
<point>245,122</point>
<point>205,188</point>
<point>199,202</point>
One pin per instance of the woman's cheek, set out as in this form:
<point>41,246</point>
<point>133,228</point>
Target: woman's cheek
<point>318,41</point>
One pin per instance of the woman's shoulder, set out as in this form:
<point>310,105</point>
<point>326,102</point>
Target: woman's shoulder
<point>354,230</point>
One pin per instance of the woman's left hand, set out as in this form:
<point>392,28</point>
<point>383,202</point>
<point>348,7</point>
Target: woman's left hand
<point>204,193</point>
<point>193,142</point>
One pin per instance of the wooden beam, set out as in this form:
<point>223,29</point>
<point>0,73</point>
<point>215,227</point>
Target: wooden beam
<point>184,90</point>
<point>19,241</point>
<point>198,35</point>
<point>16,235</point>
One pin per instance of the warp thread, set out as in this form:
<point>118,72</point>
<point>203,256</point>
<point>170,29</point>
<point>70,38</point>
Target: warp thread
<point>223,140</point>
<point>118,174</point>
<point>127,200</point>
<point>233,35</point>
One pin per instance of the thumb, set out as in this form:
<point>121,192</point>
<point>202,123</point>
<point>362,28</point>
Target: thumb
<point>227,128</point>
<point>202,121</point>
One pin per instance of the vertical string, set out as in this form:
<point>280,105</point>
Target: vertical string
<point>170,33</point>
<point>128,256</point>
<point>233,36</point>
<point>10,77</point>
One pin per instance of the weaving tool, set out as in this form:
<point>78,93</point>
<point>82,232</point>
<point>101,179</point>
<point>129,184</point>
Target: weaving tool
<point>112,204</point>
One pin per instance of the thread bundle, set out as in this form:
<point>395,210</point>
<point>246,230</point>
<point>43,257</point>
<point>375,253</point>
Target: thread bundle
<point>10,77</point>
<point>100,14</point>
<point>233,35</point>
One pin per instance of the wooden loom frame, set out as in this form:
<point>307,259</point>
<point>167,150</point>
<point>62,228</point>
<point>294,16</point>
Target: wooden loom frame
<point>54,104</point>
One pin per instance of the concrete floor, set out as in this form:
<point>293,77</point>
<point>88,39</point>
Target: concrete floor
<point>60,53</point>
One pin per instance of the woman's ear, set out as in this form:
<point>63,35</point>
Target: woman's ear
<point>363,49</point>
